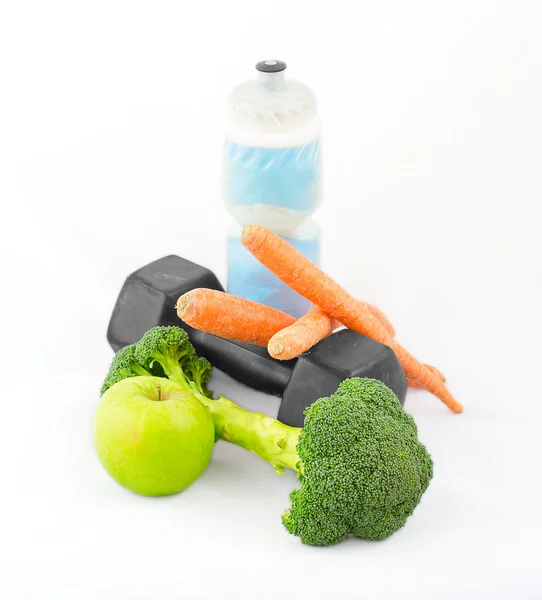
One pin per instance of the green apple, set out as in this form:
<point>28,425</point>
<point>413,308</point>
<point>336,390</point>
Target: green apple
<point>152,436</point>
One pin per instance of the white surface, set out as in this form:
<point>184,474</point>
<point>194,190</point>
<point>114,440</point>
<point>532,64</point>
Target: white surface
<point>110,151</point>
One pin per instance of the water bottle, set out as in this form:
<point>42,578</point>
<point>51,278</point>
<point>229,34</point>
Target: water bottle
<point>272,176</point>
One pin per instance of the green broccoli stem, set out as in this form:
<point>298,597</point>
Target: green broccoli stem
<point>266,437</point>
<point>270,439</point>
<point>139,370</point>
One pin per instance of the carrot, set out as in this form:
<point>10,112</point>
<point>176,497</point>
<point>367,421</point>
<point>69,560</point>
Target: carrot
<point>231,317</point>
<point>307,331</point>
<point>384,321</point>
<point>302,335</point>
<point>309,281</point>
<point>414,384</point>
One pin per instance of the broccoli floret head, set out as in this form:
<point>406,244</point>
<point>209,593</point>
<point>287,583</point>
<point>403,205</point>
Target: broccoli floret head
<point>125,365</point>
<point>198,371</point>
<point>165,345</point>
<point>363,470</point>
<point>170,347</point>
<point>163,352</point>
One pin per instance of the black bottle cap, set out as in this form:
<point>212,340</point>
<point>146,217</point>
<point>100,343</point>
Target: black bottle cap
<point>271,66</point>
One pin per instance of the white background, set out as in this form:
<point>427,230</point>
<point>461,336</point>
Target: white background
<point>110,145</point>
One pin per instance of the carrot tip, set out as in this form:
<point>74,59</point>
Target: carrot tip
<point>183,302</point>
<point>275,350</point>
<point>247,231</point>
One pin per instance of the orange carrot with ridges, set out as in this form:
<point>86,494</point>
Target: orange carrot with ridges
<point>302,335</point>
<point>231,317</point>
<point>294,269</point>
<point>307,331</point>
<point>384,321</point>
<point>414,384</point>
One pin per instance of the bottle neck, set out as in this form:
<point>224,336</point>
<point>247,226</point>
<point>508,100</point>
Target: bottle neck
<point>271,81</point>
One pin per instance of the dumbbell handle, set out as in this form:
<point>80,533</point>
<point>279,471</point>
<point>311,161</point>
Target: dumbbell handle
<point>247,363</point>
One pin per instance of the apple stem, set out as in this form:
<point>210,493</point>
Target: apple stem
<point>159,392</point>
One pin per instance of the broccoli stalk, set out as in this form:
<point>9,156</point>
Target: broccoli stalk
<point>270,439</point>
<point>361,467</point>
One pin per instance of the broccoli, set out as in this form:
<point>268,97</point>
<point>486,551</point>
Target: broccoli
<point>124,365</point>
<point>361,467</point>
<point>170,350</point>
<point>162,349</point>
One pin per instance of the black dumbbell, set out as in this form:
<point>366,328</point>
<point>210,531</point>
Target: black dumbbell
<point>148,298</point>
